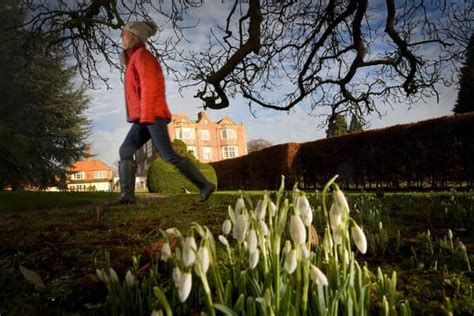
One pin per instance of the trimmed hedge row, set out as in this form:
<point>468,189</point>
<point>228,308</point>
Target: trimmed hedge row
<point>436,153</point>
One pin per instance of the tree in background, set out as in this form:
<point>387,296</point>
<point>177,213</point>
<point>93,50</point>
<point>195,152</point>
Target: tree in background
<point>356,124</point>
<point>257,144</point>
<point>42,124</point>
<point>341,56</point>
<point>337,126</point>
<point>465,102</point>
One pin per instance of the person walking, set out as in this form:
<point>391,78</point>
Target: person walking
<point>148,112</point>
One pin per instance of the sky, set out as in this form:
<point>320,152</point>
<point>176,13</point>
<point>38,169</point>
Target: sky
<point>108,115</point>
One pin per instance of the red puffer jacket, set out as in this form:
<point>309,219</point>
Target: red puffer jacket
<point>144,87</point>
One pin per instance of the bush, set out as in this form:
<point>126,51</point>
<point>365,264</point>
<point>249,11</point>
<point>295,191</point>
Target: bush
<point>163,177</point>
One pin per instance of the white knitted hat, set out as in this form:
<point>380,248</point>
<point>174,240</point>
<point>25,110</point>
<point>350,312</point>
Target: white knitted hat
<point>142,30</point>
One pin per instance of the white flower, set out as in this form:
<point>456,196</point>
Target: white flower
<point>450,234</point>
<point>177,276</point>
<point>240,228</point>
<point>239,205</point>
<point>260,209</point>
<point>100,274</point>
<point>340,199</point>
<point>287,248</point>
<point>223,240</point>
<point>380,225</point>
<point>113,276</point>
<point>297,230</point>
<point>253,259</point>
<point>173,231</point>
<point>263,227</point>
<point>129,279</point>
<point>252,240</point>
<point>359,238</point>
<point>157,313</point>
<point>185,286</point>
<point>226,226</point>
<point>303,207</point>
<point>272,208</point>
<point>189,248</point>
<point>165,251</point>
<point>317,276</point>
<point>337,234</point>
<point>335,216</point>
<point>291,261</point>
<point>203,254</point>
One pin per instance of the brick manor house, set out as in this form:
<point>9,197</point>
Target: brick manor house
<point>208,141</point>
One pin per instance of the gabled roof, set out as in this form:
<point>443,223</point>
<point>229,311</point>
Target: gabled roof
<point>226,121</point>
<point>179,117</point>
<point>203,118</point>
<point>89,165</point>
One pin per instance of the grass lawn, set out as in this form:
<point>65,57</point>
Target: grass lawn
<point>65,236</point>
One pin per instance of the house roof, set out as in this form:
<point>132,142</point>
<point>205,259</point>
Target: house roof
<point>89,165</point>
<point>226,121</point>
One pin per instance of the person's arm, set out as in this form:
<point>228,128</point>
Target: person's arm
<point>152,84</point>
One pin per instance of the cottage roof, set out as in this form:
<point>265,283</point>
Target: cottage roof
<point>89,165</point>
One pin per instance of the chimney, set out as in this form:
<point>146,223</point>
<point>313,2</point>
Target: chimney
<point>200,115</point>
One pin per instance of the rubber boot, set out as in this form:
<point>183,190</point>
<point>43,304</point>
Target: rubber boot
<point>189,170</point>
<point>127,169</point>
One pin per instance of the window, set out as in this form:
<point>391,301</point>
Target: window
<point>192,150</point>
<point>228,133</point>
<point>100,174</point>
<point>185,133</point>
<point>78,175</point>
<point>149,149</point>
<point>207,153</point>
<point>205,134</point>
<point>229,152</point>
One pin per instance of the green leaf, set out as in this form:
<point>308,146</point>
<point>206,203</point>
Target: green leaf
<point>225,309</point>
<point>239,305</point>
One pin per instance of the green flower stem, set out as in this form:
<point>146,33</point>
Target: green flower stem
<point>276,274</point>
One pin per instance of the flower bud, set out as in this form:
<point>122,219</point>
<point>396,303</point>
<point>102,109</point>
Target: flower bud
<point>226,226</point>
<point>165,251</point>
<point>239,231</point>
<point>177,276</point>
<point>239,205</point>
<point>263,227</point>
<point>260,209</point>
<point>129,279</point>
<point>223,240</point>
<point>113,276</point>
<point>317,276</point>
<point>272,208</point>
<point>297,230</point>
<point>341,200</point>
<point>253,259</point>
<point>359,238</point>
<point>189,248</point>
<point>252,240</point>
<point>203,254</point>
<point>291,261</point>
<point>185,287</point>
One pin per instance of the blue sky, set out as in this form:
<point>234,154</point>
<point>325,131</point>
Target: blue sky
<point>109,126</point>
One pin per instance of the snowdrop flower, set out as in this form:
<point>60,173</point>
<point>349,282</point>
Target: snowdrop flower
<point>304,209</point>
<point>272,208</point>
<point>226,226</point>
<point>100,274</point>
<point>287,248</point>
<point>252,240</point>
<point>189,248</point>
<point>341,200</point>
<point>177,277</point>
<point>380,225</point>
<point>297,230</point>
<point>185,286</point>
<point>260,209</point>
<point>263,227</point>
<point>253,259</point>
<point>240,228</point>
<point>359,238</point>
<point>173,231</point>
<point>317,276</point>
<point>239,205</point>
<point>129,279</point>
<point>335,216</point>
<point>113,276</point>
<point>203,254</point>
<point>450,234</point>
<point>165,251</point>
<point>157,313</point>
<point>223,240</point>
<point>337,234</point>
<point>291,261</point>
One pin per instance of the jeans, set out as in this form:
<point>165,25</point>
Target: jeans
<point>139,134</point>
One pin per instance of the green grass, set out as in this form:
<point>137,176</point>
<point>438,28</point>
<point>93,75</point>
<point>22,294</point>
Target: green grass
<point>64,237</point>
